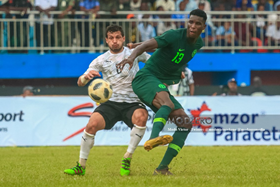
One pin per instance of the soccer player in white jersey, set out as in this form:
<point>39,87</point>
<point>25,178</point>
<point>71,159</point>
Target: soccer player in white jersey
<point>124,104</point>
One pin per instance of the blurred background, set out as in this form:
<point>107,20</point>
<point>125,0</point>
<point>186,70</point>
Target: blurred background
<point>48,45</point>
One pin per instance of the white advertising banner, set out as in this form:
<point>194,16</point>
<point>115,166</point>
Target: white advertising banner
<point>58,121</point>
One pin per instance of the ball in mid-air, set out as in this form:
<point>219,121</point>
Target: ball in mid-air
<point>100,90</point>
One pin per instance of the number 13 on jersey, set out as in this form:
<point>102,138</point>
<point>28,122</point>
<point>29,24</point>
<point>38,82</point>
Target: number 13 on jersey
<point>177,59</point>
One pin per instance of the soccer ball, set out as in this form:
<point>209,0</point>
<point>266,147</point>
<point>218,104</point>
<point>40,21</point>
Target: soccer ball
<point>100,91</point>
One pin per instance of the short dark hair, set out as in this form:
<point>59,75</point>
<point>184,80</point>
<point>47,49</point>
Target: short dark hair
<point>114,28</point>
<point>199,13</point>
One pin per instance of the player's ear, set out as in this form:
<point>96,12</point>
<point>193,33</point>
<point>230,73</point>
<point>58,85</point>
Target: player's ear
<point>204,26</point>
<point>106,40</point>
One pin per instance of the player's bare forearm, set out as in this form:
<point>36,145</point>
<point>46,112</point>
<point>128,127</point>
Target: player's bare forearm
<point>39,9</point>
<point>85,78</point>
<point>79,82</point>
<point>191,89</point>
<point>145,46</point>
<point>50,9</point>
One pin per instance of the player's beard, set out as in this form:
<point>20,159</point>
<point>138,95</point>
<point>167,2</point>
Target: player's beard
<point>116,50</point>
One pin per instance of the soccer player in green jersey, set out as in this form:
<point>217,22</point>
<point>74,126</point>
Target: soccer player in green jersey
<point>175,49</point>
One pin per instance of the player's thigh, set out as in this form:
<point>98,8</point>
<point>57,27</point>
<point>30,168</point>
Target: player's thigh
<point>135,113</point>
<point>146,87</point>
<point>177,105</point>
<point>110,113</point>
<point>163,98</point>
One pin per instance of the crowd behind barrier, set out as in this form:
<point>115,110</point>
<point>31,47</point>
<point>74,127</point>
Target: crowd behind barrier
<point>76,26</point>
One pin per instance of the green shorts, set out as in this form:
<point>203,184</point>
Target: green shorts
<point>146,86</point>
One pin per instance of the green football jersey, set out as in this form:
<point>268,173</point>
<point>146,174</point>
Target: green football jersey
<point>173,53</point>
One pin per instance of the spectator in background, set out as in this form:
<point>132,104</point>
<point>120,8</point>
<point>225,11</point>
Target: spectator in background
<point>165,25</point>
<point>27,91</point>
<point>135,5</point>
<point>133,33</point>
<point>207,34</point>
<point>144,7</point>
<point>207,5</point>
<point>191,5</point>
<point>18,30</point>
<point>257,87</point>
<point>273,34</point>
<point>124,5</point>
<point>223,5</point>
<point>244,3</point>
<point>180,24</point>
<point>223,35</point>
<point>276,5</point>
<point>88,6</point>
<point>232,85</point>
<point>146,29</point>
<point>260,22</point>
<point>152,4</point>
<point>108,5</point>
<point>265,3</point>
<point>168,5</point>
<point>65,6</point>
<point>243,30</point>
<point>5,9</point>
<point>44,7</point>
<point>186,85</point>
<point>201,6</point>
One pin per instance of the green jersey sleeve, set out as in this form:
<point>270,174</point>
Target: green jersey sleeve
<point>166,38</point>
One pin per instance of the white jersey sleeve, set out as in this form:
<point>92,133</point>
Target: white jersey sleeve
<point>143,57</point>
<point>190,76</point>
<point>95,65</point>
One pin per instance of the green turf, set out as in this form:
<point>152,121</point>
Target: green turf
<point>194,166</point>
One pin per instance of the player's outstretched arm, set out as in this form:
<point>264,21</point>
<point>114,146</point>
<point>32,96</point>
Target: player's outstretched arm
<point>85,78</point>
<point>145,46</point>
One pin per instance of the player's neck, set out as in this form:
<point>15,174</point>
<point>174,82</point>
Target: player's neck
<point>191,40</point>
<point>114,52</point>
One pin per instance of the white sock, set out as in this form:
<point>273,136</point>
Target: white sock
<point>86,144</point>
<point>136,136</point>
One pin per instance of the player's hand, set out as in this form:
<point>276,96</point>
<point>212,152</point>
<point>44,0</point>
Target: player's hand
<point>183,75</point>
<point>133,45</point>
<point>92,74</point>
<point>121,65</point>
<point>130,45</point>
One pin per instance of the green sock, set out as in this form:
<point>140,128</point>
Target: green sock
<point>174,147</point>
<point>160,120</point>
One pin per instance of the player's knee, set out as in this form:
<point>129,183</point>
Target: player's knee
<point>92,127</point>
<point>170,104</point>
<point>141,118</point>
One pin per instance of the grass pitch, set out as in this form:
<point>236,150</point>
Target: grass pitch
<point>194,166</point>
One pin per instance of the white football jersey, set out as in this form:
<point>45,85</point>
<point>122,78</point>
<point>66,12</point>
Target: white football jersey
<point>121,82</point>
